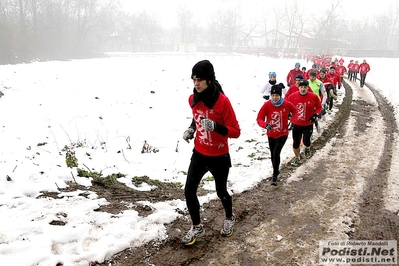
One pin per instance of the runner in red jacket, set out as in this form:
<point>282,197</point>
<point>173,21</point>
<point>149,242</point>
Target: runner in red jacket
<point>336,82</point>
<point>341,69</point>
<point>355,70</point>
<point>274,116</point>
<point>309,109</point>
<point>291,75</point>
<point>214,121</point>
<point>328,87</point>
<point>295,88</point>
<point>314,68</point>
<point>350,70</point>
<point>364,68</point>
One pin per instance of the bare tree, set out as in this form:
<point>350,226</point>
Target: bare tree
<point>213,34</point>
<point>353,35</point>
<point>185,23</point>
<point>265,20</point>
<point>230,28</point>
<point>8,30</point>
<point>325,28</point>
<point>150,29</point>
<point>245,36</point>
<point>293,24</point>
<point>385,25</point>
<point>127,28</point>
<point>277,25</point>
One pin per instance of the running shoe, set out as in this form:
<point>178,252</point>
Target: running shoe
<point>193,234</point>
<point>307,152</point>
<point>274,181</point>
<point>296,161</point>
<point>228,226</point>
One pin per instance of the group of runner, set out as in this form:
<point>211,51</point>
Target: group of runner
<point>312,94</point>
<point>308,96</point>
<point>297,111</point>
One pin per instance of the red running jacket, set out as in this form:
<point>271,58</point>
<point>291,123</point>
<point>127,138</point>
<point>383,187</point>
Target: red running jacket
<point>307,105</point>
<point>364,68</point>
<point>210,143</point>
<point>277,116</point>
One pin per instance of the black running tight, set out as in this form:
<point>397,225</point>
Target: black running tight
<point>219,167</point>
<point>276,145</point>
<point>301,133</point>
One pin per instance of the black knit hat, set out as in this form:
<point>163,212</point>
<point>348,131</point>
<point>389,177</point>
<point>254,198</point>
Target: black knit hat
<point>203,70</point>
<point>276,89</point>
<point>303,82</point>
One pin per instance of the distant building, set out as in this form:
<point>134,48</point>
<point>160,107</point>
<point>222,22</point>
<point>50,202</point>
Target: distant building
<point>117,43</point>
<point>285,42</point>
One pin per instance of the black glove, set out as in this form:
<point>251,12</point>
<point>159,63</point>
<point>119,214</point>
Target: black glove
<point>281,85</point>
<point>339,87</point>
<point>313,118</point>
<point>268,127</point>
<point>266,97</point>
<point>188,134</point>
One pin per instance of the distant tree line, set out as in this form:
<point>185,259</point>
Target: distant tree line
<point>53,29</point>
<point>63,29</point>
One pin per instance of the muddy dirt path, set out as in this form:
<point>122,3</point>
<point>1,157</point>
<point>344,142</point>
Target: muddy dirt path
<point>336,194</point>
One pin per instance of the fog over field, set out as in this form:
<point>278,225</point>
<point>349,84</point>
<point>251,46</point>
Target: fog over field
<point>254,9</point>
<point>62,30</point>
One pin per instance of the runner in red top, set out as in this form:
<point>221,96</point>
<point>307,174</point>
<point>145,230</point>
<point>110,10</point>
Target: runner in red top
<point>309,109</point>
<point>364,68</point>
<point>214,121</point>
<point>355,70</point>
<point>350,70</point>
<point>341,69</point>
<point>314,68</point>
<point>336,82</point>
<point>274,116</point>
<point>291,75</point>
<point>295,88</point>
<point>328,87</point>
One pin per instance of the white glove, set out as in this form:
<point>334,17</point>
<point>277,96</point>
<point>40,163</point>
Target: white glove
<point>188,134</point>
<point>208,124</point>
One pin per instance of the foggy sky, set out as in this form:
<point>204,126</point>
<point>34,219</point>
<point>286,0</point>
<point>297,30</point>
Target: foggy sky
<point>251,9</point>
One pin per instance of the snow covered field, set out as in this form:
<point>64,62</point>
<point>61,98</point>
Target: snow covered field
<point>106,109</point>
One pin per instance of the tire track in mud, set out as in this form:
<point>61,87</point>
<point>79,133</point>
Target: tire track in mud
<point>336,194</point>
<point>375,222</point>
